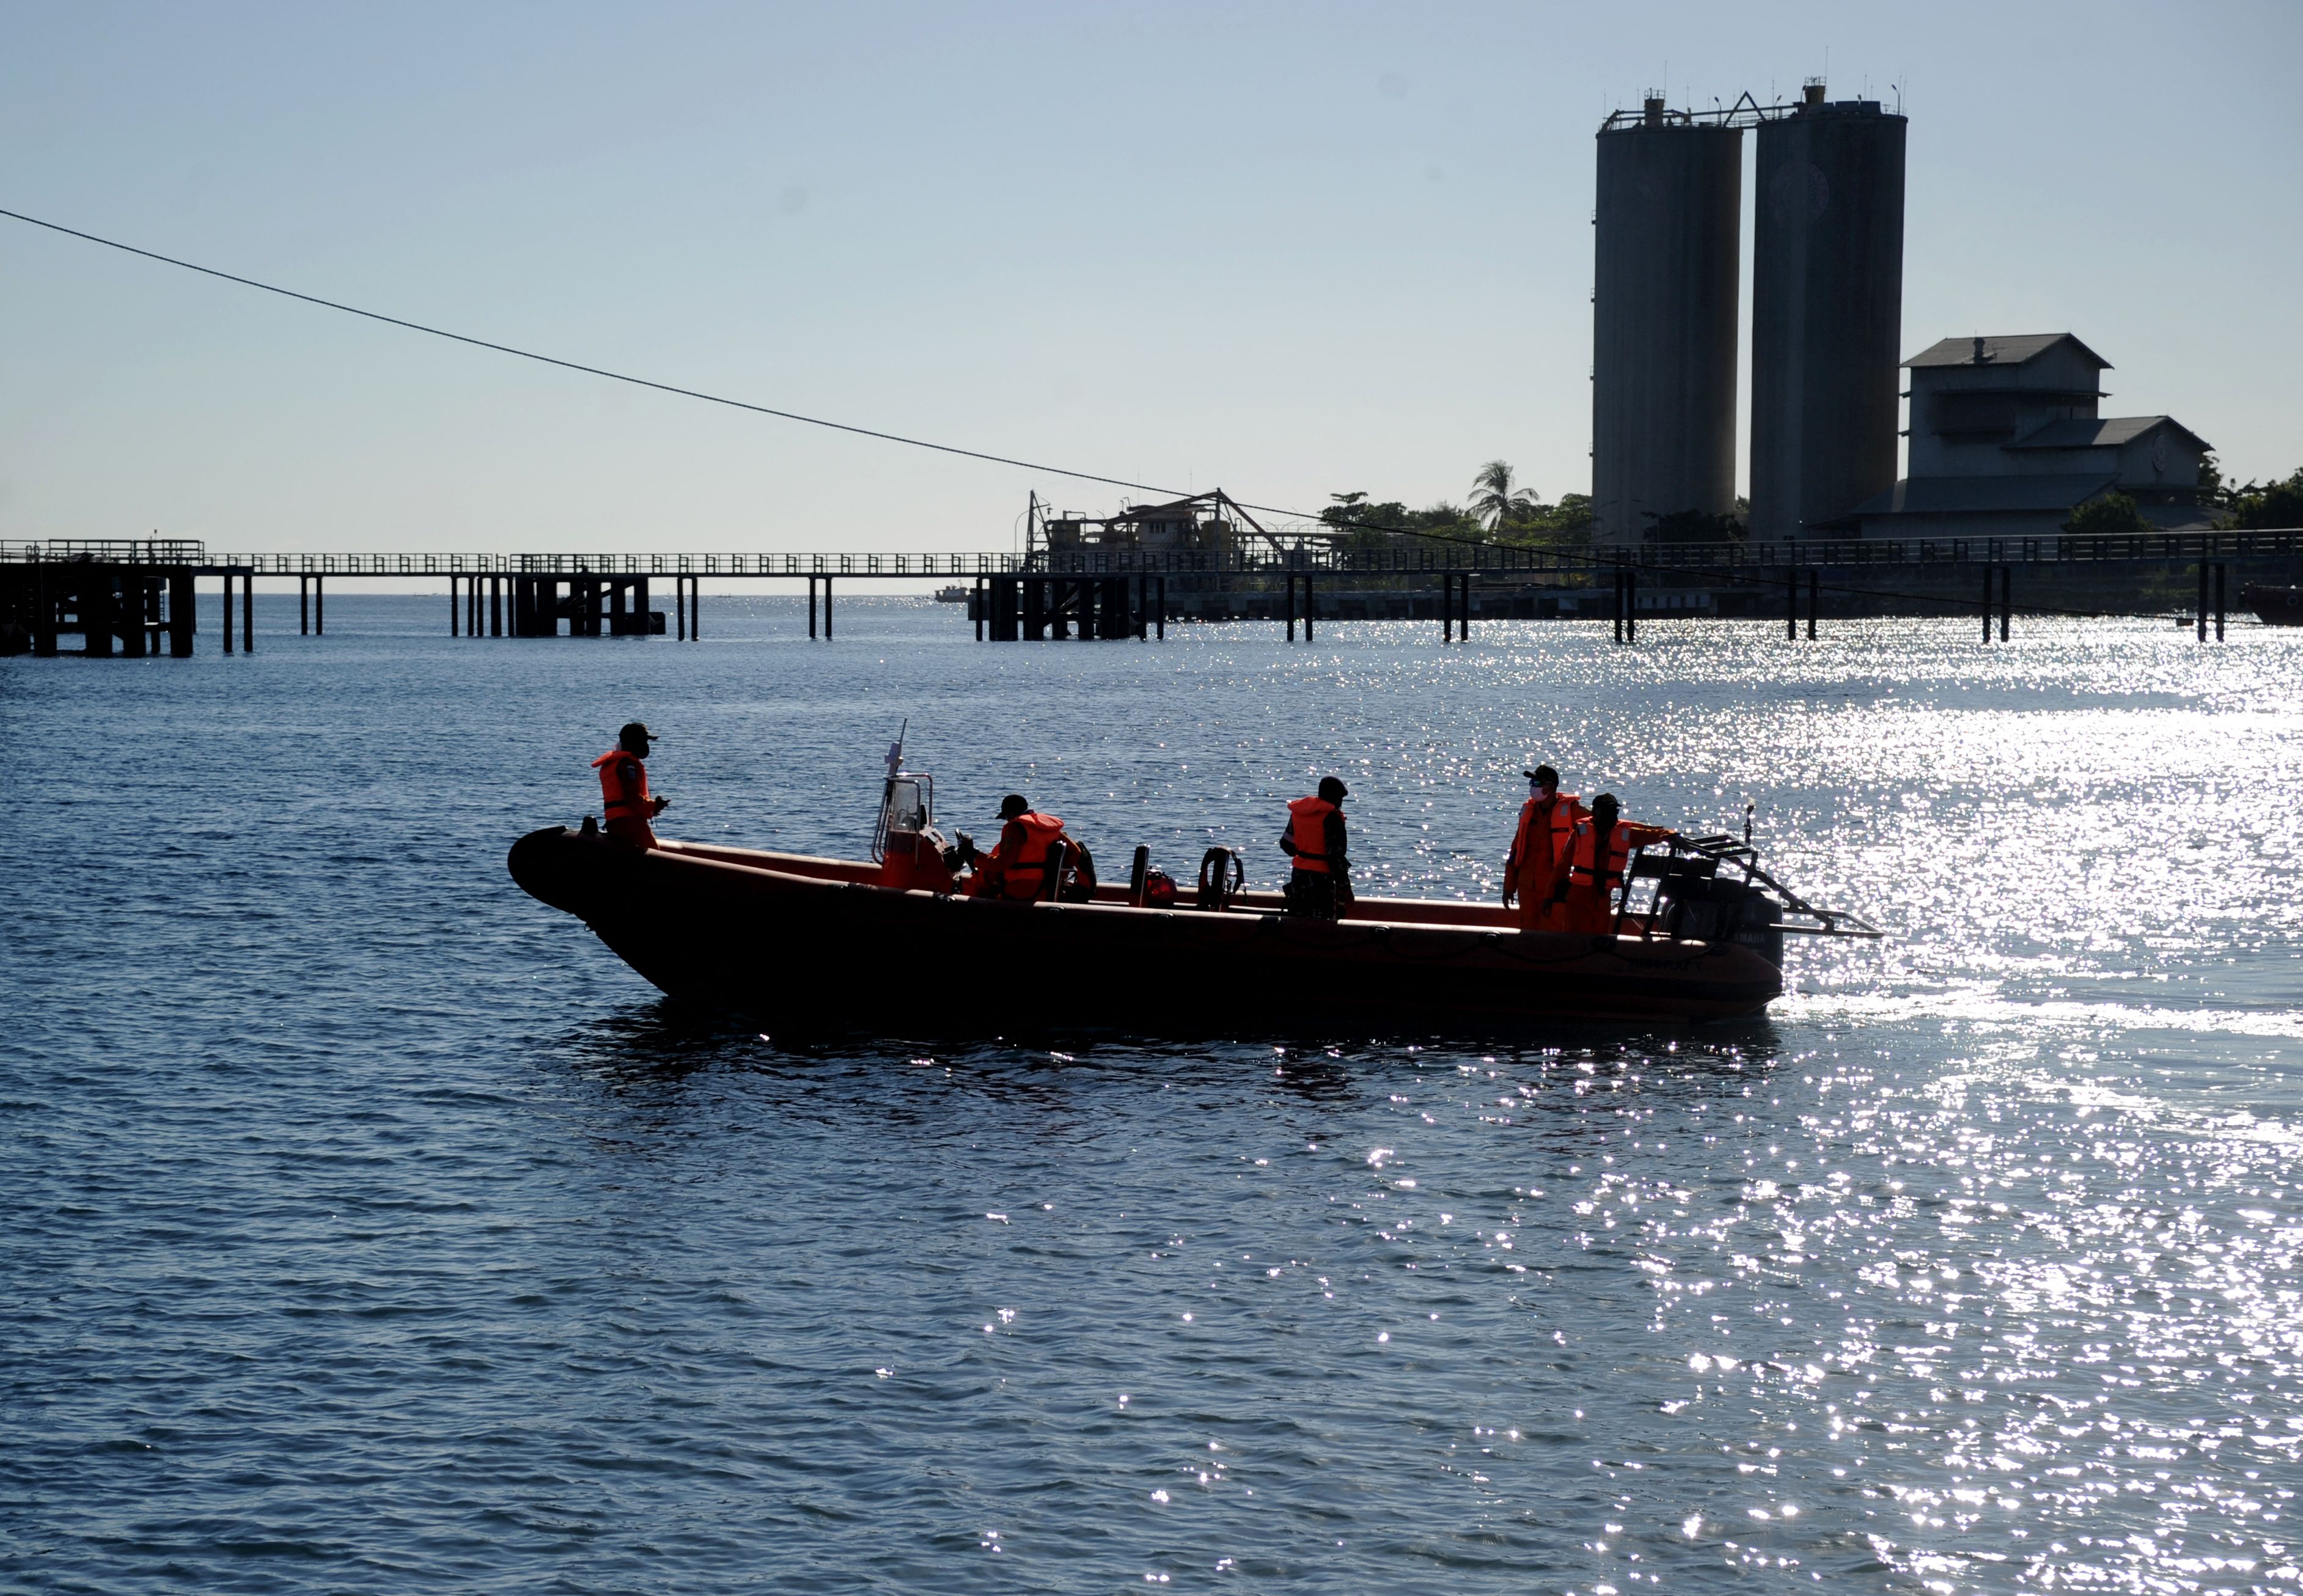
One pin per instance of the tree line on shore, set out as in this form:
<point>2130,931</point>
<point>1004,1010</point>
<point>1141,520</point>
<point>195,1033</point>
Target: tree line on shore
<point>2245,508</point>
<point>1500,510</point>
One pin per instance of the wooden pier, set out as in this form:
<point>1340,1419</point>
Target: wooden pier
<point>128,597</point>
<point>123,598</point>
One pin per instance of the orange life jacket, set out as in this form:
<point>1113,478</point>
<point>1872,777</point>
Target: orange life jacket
<point>1562,817</point>
<point>1309,829</point>
<point>1027,871</point>
<point>1583,868</point>
<point>623,784</point>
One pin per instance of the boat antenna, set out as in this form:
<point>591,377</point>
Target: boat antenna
<point>1748,807</point>
<point>888,793</point>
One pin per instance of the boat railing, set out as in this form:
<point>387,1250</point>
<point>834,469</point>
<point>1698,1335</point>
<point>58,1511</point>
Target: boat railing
<point>1706,857</point>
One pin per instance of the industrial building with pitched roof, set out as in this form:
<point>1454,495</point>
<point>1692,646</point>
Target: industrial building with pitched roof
<point>2005,442</point>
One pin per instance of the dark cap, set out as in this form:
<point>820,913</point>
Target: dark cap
<point>1013,805</point>
<point>1331,788</point>
<point>1606,800</point>
<point>636,732</point>
<point>1543,774</point>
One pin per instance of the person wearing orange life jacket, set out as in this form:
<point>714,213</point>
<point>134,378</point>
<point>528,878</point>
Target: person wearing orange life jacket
<point>1587,876</point>
<point>1018,868</point>
<point>1547,826</point>
<point>1316,839</point>
<point>624,788</point>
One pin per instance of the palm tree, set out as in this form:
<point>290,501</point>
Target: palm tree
<point>1494,500</point>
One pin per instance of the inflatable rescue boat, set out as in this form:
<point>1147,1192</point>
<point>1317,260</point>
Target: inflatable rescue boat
<point>896,943</point>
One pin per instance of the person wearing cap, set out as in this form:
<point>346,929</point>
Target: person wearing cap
<point>1588,875</point>
<point>1546,826</point>
<point>1320,887</point>
<point>1018,868</point>
<point>624,787</point>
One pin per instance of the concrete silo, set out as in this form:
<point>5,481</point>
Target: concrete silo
<point>1663,368</point>
<point>1827,311</point>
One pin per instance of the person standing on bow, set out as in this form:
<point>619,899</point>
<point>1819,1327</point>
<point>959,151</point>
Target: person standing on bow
<point>624,788</point>
<point>1547,828</point>
<point>1590,872</point>
<point>1317,839</point>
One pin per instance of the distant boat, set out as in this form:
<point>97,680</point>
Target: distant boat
<point>953,595</point>
<point>2278,606</point>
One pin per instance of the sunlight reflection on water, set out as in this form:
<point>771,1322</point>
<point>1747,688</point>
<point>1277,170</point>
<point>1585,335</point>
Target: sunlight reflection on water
<point>341,1173</point>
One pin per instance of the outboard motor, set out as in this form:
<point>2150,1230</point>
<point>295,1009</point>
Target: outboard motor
<point>1714,890</point>
<point>1759,926</point>
<point>1689,897</point>
<point>1699,905</point>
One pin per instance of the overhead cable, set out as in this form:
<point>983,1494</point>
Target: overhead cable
<point>1592,561</point>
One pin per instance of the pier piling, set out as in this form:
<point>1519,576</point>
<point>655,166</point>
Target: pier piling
<point>1455,606</point>
<point>44,615</point>
<point>181,613</point>
<point>96,618</point>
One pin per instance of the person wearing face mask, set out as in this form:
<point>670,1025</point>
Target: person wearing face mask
<point>1547,826</point>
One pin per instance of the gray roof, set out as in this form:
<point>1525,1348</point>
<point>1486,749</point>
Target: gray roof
<point>2108,433</point>
<point>1961,496</point>
<point>2009,351</point>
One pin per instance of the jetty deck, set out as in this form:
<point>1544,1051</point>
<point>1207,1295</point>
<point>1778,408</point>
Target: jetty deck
<point>135,596</point>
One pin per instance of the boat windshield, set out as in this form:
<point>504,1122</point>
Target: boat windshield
<point>907,809</point>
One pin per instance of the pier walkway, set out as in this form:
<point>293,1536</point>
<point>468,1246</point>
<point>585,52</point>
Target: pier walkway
<point>136,593</point>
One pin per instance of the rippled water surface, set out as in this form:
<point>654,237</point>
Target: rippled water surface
<point>365,1225</point>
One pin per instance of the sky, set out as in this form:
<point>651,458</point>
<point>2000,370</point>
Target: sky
<point>1288,249</point>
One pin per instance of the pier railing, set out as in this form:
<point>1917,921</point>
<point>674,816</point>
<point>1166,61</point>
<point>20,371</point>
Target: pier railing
<point>1714,561</point>
<point>1488,558</point>
<point>108,551</point>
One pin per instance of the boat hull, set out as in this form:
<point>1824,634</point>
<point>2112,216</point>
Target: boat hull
<point>787,941</point>
<point>2275,606</point>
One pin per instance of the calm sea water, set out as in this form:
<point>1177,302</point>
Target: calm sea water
<point>366,1226</point>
